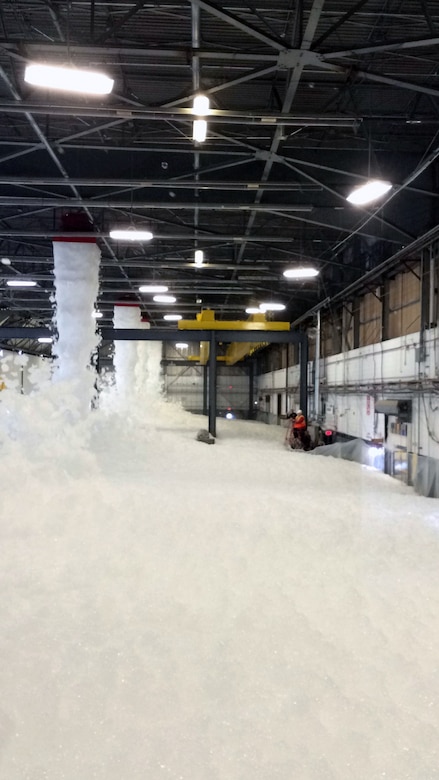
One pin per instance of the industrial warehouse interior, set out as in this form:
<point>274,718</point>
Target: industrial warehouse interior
<point>213,215</point>
<point>307,102</point>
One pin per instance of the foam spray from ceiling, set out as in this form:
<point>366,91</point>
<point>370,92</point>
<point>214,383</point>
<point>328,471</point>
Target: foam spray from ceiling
<point>136,363</point>
<point>76,269</point>
<point>153,386</point>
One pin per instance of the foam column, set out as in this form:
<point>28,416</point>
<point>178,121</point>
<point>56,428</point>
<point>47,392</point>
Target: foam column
<point>125,359</point>
<point>76,268</point>
<point>137,364</point>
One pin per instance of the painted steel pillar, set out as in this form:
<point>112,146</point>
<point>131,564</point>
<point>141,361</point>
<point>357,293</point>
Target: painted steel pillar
<point>205,384</point>
<point>303,362</point>
<point>212,384</point>
<point>251,390</point>
<point>317,369</point>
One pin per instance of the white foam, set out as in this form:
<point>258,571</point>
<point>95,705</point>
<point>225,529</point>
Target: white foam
<point>76,270</point>
<point>233,612</point>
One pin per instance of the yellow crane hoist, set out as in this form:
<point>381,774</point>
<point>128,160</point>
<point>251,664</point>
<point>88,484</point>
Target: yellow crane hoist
<point>236,351</point>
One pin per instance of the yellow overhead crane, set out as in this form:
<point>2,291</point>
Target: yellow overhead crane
<point>237,350</point>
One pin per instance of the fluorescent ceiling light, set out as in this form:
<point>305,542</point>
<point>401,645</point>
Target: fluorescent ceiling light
<point>21,283</point>
<point>45,340</point>
<point>271,306</point>
<point>172,317</point>
<point>199,257</point>
<point>199,131</point>
<point>131,235</point>
<point>253,310</point>
<point>153,288</point>
<point>368,192</point>
<point>181,344</point>
<point>97,315</point>
<point>201,105</point>
<point>164,299</point>
<point>301,273</point>
<point>89,82</point>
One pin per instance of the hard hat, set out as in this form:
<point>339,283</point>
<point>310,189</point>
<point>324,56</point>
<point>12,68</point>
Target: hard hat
<point>299,411</point>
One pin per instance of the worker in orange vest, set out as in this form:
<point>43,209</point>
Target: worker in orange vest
<point>299,425</point>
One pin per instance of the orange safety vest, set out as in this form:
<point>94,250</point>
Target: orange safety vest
<point>299,423</point>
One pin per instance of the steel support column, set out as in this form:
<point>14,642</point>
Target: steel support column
<point>205,381</point>
<point>251,390</point>
<point>212,384</point>
<point>317,369</point>
<point>303,361</point>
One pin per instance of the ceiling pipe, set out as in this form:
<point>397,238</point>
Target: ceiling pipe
<point>67,203</point>
<point>181,115</point>
<point>175,184</point>
<point>50,233</point>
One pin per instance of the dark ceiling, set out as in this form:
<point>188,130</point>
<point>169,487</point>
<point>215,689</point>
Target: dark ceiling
<point>308,98</point>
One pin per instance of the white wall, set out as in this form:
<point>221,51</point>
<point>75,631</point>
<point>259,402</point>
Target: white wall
<point>351,381</point>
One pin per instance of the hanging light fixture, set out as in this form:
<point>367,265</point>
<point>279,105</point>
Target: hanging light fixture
<point>172,317</point>
<point>153,288</point>
<point>88,82</point>
<point>21,283</point>
<point>253,310</point>
<point>271,306</point>
<point>198,257</point>
<point>369,192</point>
<point>164,298</point>
<point>201,105</point>
<point>301,272</point>
<point>201,109</point>
<point>131,234</point>
<point>199,130</point>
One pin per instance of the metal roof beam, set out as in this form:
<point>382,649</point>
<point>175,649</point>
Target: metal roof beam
<point>234,116</point>
<point>176,55</point>
<point>412,176</point>
<point>234,21</point>
<point>166,334</point>
<point>245,239</point>
<point>339,195</point>
<point>86,203</point>
<point>251,76</point>
<point>336,25</point>
<point>179,56</point>
<point>333,226</point>
<point>428,17</point>
<point>42,138</point>
<point>382,47</point>
<point>408,251</point>
<point>295,76</point>
<point>111,29</point>
<point>51,233</point>
<point>177,183</point>
<point>379,79</point>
